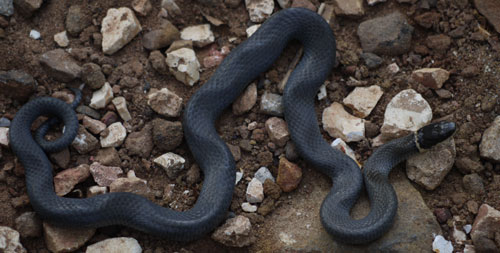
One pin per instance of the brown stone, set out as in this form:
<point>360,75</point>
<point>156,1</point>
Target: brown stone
<point>277,131</point>
<point>439,42</point>
<point>108,157</point>
<point>246,100</point>
<point>140,143</point>
<point>490,9</point>
<point>485,225</point>
<point>60,65</point>
<point>271,189</point>
<point>60,239</point>
<point>289,175</point>
<point>65,180</point>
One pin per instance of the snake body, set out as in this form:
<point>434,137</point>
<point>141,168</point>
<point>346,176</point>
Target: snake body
<point>241,66</point>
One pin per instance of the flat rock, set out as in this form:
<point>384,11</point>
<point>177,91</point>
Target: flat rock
<point>93,125</point>
<point>486,224</point>
<point>92,75</point>
<point>60,239</point>
<point>277,130</point>
<point>271,104</point>
<point>200,35</point>
<point>167,135</point>
<point>490,9</point>
<point>60,65</point>
<point>121,107</point>
<point>116,134</point>
<point>66,180</point>
<point>27,7</point>
<point>118,28</point>
<point>408,111</point>
<point>412,230</point>
<point>389,35</point>
<point>171,163</point>
<point>104,175</point>
<point>433,78</point>
<point>428,169</point>
<point>184,65</point>
<point>131,184</point>
<point>353,8</point>
<point>340,124</point>
<point>9,238</point>
<point>246,100</point>
<point>363,99</point>
<point>29,225</point>
<point>259,10</point>
<point>77,19</point>
<point>289,175</point>
<point>490,142</point>
<point>6,7</point>
<point>17,84</point>
<point>140,143</point>
<point>101,97</point>
<point>83,109</point>
<point>115,245</point>
<point>165,102</point>
<point>372,61</point>
<point>142,7</point>
<point>84,141</point>
<point>161,38</point>
<point>255,191</point>
<point>438,42</point>
<point>236,232</point>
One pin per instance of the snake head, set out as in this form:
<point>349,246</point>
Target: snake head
<point>434,133</point>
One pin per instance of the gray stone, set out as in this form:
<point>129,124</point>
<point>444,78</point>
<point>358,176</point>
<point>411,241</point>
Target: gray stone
<point>161,38</point>
<point>83,109</point>
<point>27,7</point>
<point>255,191</point>
<point>171,163</point>
<point>6,7</point>
<point>246,100</point>
<point>4,122</point>
<point>277,130</point>
<point>17,84</point>
<point>140,143</point>
<point>490,142</point>
<point>29,225</point>
<point>473,184</point>
<point>271,104</point>
<point>60,239</point>
<point>118,244</point>
<point>485,225</point>
<point>390,35</point>
<point>490,9</point>
<point>77,20</point>
<point>60,65</point>
<point>9,238</point>
<point>93,76</point>
<point>262,174</point>
<point>84,141</point>
<point>236,232</point>
<point>167,135</point>
<point>372,61</point>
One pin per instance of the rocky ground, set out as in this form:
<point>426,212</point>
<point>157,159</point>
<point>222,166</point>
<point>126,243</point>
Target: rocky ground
<point>400,65</point>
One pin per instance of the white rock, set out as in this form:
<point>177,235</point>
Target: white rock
<point>121,106</point>
<point>441,245</point>
<point>201,35</point>
<point>4,136</point>
<point>458,235</point>
<point>284,3</point>
<point>344,148</point>
<point>165,102</point>
<point>101,97</point>
<point>277,130</point>
<point>239,176</point>
<point>171,7</point>
<point>406,112</point>
<point>118,28</point>
<point>236,232</point>
<point>252,29</point>
<point>373,2</point>
<point>469,249</point>
<point>96,190</point>
<point>116,245</point>
<point>259,10</point>
<point>142,7</point>
<point>340,124</point>
<point>262,174</point>
<point>428,169</point>
<point>61,39</point>
<point>116,135</point>
<point>9,241</point>
<point>393,68</point>
<point>171,163</point>
<point>467,228</point>
<point>184,65</point>
<point>433,78</point>
<point>363,99</point>
<point>490,142</point>
<point>349,7</point>
<point>255,191</point>
<point>322,92</point>
<point>34,34</point>
<point>249,208</point>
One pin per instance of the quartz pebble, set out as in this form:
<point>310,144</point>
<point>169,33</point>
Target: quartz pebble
<point>184,65</point>
<point>34,34</point>
<point>115,245</point>
<point>263,174</point>
<point>101,97</point>
<point>165,102</point>
<point>115,137</point>
<point>171,163</point>
<point>255,191</point>
<point>249,208</point>
<point>96,190</point>
<point>340,124</point>
<point>200,35</point>
<point>259,10</point>
<point>118,28</point>
<point>121,107</point>
<point>363,99</point>
<point>441,245</point>
<point>271,104</point>
<point>61,39</point>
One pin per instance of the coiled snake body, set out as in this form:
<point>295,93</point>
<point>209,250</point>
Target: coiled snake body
<point>243,65</point>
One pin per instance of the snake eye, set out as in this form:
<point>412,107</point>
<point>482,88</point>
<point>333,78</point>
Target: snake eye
<point>434,133</point>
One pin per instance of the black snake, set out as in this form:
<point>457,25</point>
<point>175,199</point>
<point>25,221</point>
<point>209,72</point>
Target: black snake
<point>241,66</point>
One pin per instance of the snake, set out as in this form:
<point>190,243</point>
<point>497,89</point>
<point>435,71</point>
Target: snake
<point>244,64</point>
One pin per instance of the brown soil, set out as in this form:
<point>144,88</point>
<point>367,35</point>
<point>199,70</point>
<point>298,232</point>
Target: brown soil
<point>19,51</point>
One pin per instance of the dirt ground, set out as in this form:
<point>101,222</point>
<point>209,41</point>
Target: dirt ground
<point>19,51</point>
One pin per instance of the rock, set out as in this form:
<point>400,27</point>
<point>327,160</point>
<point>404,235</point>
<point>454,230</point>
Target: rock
<point>490,142</point>
<point>118,28</point>
<point>235,151</point>
<point>441,245</point>
<point>171,163</point>
<point>289,175</point>
<point>442,215</point>
<point>17,84</point>
<point>284,3</point>
<point>239,176</point>
<point>109,118</point>
<point>184,65</point>
<point>104,175</point>
<point>290,151</point>
<point>470,71</point>
<point>271,189</point>
<point>393,68</point>
<point>263,174</point>
<point>304,4</point>
<point>84,141</point>
<point>265,158</point>
<point>246,100</point>
<point>255,191</point>
<point>9,238</point>
<point>259,10</point>
<point>142,7</point>
<point>271,104</point>
<point>439,42</point>
<point>27,7</point>
<point>353,8</point>
<point>77,20</point>
<point>372,61</point>
<point>362,100</point>
<point>236,232</point>
<point>93,76</point>
<point>165,102</point>
<point>130,184</point>
<point>374,2</point>
<point>96,190</point>
<point>490,10</point>
<point>428,19</point>
<point>161,38</point>
<point>466,165</point>
<point>60,65</point>
<point>140,143</point>
<point>157,61</point>
<point>266,207</point>
<point>66,180</point>
<point>116,134</point>
<point>108,157</point>
<point>340,145</point>
<point>121,107</point>
<point>61,158</point>
<point>389,35</point>
<point>340,124</point>
<point>200,35</point>
<point>94,126</point>
<point>252,29</point>
<point>61,39</point>
<point>172,8</point>
<point>473,184</point>
<point>60,239</point>
<point>29,225</point>
<point>278,131</point>
<point>118,244</point>
<point>83,109</point>
<point>428,169</point>
<point>408,111</point>
<point>167,135</point>
<point>193,175</point>
<point>485,225</point>
<point>6,8</point>
<point>249,208</point>
<point>178,44</point>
